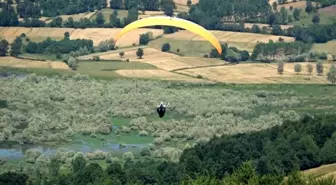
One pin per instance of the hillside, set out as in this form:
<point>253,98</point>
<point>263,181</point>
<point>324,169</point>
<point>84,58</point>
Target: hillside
<point>194,45</point>
<point>95,34</point>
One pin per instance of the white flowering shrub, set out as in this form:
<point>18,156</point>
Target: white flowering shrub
<point>53,109</point>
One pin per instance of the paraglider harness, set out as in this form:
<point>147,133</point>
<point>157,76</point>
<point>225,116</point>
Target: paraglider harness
<point>161,110</point>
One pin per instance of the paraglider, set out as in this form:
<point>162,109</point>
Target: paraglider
<point>161,109</point>
<point>172,21</point>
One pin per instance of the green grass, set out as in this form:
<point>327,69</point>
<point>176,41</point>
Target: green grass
<point>315,98</point>
<point>108,68</point>
<point>39,56</point>
<point>108,11</point>
<point>195,48</point>
<point>306,19</point>
<point>187,48</point>
<point>328,47</point>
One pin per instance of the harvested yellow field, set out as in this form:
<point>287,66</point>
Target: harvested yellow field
<point>257,73</point>
<point>96,34</point>
<point>298,4</point>
<point>178,63</point>
<point>58,65</point>
<point>24,63</point>
<point>162,60</point>
<point>101,34</point>
<point>35,34</point>
<point>323,171</point>
<point>228,36</point>
<point>156,74</point>
<point>149,54</point>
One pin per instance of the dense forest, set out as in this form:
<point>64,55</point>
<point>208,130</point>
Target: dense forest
<point>52,8</point>
<point>258,158</point>
<point>63,46</point>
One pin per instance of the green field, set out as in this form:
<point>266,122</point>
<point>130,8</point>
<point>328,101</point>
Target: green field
<point>108,11</point>
<point>187,48</point>
<point>195,48</point>
<point>306,19</point>
<point>39,56</point>
<point>108,68</point>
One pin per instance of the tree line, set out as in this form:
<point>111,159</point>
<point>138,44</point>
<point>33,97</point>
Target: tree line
<point>38,8</point>
<point>255,158</point>
<point>48,46</point>
<point>273,50</point>
<point>231,54</point>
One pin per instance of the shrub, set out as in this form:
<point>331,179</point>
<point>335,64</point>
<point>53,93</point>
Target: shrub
<point>165,47</point>
<point>143,133</point>
<point>281,67</point>
<point>96,58</point>
<point>121,54</point>
<point>144,39</point>
<point>145,151</point>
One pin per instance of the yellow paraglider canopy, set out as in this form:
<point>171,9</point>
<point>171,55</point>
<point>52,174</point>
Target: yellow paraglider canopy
<point>172,21</point>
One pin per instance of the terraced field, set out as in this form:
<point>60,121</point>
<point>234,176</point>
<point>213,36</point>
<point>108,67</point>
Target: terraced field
<point>190,44</point>
<point>95,34</point>
<point>256,73</point>
<point>25,63</point>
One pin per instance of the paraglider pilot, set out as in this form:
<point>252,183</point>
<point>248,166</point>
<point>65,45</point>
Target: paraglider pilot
<point>161,109</point>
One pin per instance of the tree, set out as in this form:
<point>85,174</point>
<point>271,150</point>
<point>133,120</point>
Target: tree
<point>309,68</point>
<point>331,76</point>
<point>290,18</point>
<point>319,68</point>
<point>144,39</point>
<point>165,47</point>
<point>232,56</point>
<point>56,22</point>
<point>113,18</point>
<point>106,45</point>
<point>309,6</point>
<point>132,15</point>
<point>73,63</point>
<point>281,67</point>
<point>284,15</point>
<point>316,19</point>
<point>66,35</point>
<point>296,14</point>
<point>121,54</point>
<point>16,47</point>
<point>3,47</point>
<point>271,19</point>
<point>189,3</point>
<point>275,6</point>
<point>78,162</point>
<point>168,7</point>
<point>244,55</point>
<point>328,151</point>
<point>140,53</point>
<point>255,29</point>
<point>13,178</point>
<point>116,4</point>
<point>100,20</point>
<point>276,30</point>
<point>8,16</point>
<point>297,68</point>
